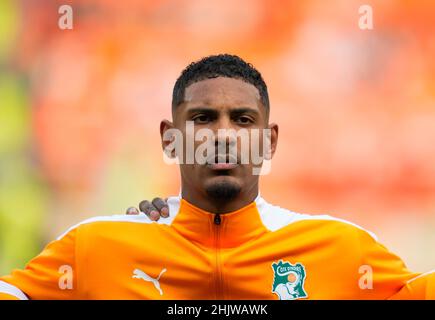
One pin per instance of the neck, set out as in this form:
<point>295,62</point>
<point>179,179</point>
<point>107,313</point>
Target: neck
<point>200,199</point>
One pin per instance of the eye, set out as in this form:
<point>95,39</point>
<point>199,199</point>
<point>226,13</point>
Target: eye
<point>244,120</point>
<point>201,119</point>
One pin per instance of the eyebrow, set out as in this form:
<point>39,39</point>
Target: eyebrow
<point>212,111</point>
<point>201,110</point>
<point>242,110</point>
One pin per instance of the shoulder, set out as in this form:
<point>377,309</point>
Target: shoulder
<point>275,218</point>
<point>102,222</point>
<point>97,222</point>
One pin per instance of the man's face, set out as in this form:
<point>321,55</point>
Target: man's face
<point>221,103</point>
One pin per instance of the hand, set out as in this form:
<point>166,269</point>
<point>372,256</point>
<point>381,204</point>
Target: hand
<point>154,209</point>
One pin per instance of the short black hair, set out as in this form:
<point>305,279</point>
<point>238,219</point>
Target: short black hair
<point>221,65</point>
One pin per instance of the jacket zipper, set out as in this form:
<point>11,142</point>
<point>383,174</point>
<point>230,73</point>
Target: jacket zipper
<point>217,228</point>
<point>217,219</point>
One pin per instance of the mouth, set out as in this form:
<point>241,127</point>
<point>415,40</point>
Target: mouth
<point>222,162</point>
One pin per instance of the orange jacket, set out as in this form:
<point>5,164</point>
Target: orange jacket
<point>260,251</point>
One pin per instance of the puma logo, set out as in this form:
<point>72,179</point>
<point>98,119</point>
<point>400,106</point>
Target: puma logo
<point>139,274</point>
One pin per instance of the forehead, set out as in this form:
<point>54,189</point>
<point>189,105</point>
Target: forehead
<point>222,92</point>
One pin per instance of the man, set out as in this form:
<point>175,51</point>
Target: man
<point>220,239</point>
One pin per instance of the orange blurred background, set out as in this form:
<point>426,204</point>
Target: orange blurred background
<point>81,108</point>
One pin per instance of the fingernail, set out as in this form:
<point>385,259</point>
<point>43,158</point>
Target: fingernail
<point>154,215</point>
<point>132,210</point>
<point>165,212</point>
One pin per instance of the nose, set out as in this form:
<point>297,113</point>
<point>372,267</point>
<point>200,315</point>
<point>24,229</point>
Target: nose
<point>224,132</point>
<point>225,137</point>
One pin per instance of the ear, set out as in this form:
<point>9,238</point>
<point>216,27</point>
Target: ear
<point>273,138</point>
<point>166,125</point>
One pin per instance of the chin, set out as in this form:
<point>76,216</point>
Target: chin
<point>222,180</point>
<point>223,188</point>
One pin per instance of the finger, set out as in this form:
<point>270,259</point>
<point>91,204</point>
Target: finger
<point>132,211</point>
<point>162,206</point>
<point>146,207</point>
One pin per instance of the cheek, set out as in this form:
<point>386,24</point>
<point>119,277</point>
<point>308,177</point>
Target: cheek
<point>190,171</point>
<point>254,145</point>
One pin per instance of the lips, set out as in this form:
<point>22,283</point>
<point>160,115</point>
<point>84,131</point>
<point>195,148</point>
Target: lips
<point>222,166</point>
<point>222,162</point>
